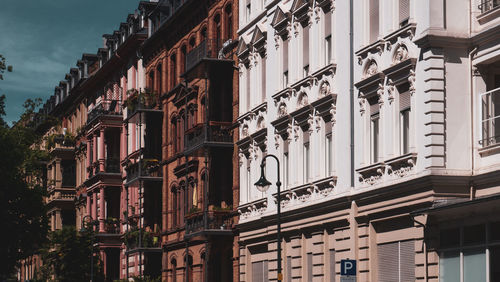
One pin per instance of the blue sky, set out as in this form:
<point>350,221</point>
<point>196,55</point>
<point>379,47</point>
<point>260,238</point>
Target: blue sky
<point>43,39</point>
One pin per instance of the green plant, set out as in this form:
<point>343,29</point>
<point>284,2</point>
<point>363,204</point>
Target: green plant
<point>194,210</point>
<point>228,208</point>
<point>69,139</point>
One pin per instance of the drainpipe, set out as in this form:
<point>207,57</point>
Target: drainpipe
<point>424,245</point>
<point>351,85</point>
<point>471,94</point>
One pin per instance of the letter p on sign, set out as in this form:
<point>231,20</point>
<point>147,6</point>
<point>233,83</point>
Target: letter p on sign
<point>348,267</point>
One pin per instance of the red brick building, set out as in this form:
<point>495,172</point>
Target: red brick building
<point>190,61</point>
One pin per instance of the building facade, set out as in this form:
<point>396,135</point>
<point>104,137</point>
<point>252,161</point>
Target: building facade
<point>386,146</point>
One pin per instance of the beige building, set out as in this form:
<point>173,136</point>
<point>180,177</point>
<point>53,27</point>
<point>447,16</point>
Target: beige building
<point>389,147</point>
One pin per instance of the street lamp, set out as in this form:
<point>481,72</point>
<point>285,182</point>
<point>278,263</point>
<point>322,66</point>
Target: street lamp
<point>92,222</point>
<point>263,185</point>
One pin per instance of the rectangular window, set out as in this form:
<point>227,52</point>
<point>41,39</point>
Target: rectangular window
<point>328,49</point>
<point>328,37</point>
<point>490,117</point>
<point>404,117</point>
<point>248,88</point>
<point>329,154</point>
<point>249,10</point>
<point>284,64</point>
<point>263,83</point>
<point>285,163</point>
<point>305,157</point>
<point>305,51</point>
<point>374,20</point>
<point>374,138</point>
<point>404,12</point>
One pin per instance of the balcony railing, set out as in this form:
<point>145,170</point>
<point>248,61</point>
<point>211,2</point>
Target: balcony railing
<point>487,5</point>
<point>147,239</point>
<point>490,118</point>
<point>216,133</point>
<point>144,168</point>
<point>105,107</point>
<point>208,48</point>
<point>216,221</point>
<point>111,226</point>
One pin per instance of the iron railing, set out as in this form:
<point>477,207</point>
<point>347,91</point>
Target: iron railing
<point>216,221</point>
<point>144,168</point>
<point>105,107</point>
<point>487,5</point>
<point>215,132</point>
<point>490,118</point>
<point>208,48</point>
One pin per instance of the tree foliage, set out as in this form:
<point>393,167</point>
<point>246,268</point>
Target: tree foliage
<point>22,209</point>
<point>67,256</point>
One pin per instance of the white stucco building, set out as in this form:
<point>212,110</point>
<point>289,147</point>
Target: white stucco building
<point>389,147</point>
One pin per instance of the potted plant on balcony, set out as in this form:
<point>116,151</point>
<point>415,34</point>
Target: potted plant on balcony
<point>112,225</point>
<point>69,140</point>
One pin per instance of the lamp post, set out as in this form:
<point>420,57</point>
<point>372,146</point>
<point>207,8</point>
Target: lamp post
<point>263,185</point>
<point>92,222</point>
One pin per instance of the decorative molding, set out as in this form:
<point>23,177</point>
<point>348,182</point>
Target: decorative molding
<point>391,89</point>
<point>412,81</point>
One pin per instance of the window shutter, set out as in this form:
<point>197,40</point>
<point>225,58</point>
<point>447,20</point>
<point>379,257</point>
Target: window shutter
<point>332,265</point>
<point>257,271</point>
<point>289,268</point>
<point>404,101</point>
<point>309,266</point>
<point>404,10</point>
<point>407,260</point>
<point>388,265</point>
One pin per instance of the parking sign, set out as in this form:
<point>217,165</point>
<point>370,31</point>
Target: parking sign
<point>348,267</point>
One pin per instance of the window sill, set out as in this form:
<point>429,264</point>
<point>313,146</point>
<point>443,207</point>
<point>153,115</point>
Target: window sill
<point>489,150</point>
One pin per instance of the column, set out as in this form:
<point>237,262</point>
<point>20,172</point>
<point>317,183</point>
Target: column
<point>101,209</point>
<point>58,175</point>
<point>58,224</point>
<point>101,150</point>
<point>94,149</point>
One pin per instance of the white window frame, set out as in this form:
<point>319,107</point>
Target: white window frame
<point>495,91</point>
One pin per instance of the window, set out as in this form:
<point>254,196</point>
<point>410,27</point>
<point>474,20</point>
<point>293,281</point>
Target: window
<point>284,64</point>
<point>305,51</point>
<point>329,154</point>
<point>248,83</point>
<point>490,117</point>
<point>151,80</point>
<point>218,33</point>
<point>404,117</point>
<point>159,75</point>
<point>248,10</point>
<point>174,270</point>
<point>374,20</point>
<point>183,58</point>
<point>263,82</point>
<point>468,254</point>
<point>404,12</point>
<point>229,21</point>
<point>173,71</point>
<point>174,207</point>
<point>328,37</point>
<point>396,261</point>
<point>174,135</point>
<point>374,129</point>
<point>305,157</point>
<point>260,271</point>
<point>286,166</point>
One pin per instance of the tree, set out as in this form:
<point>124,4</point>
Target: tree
<point>66,256</point>
<point>22,209</point>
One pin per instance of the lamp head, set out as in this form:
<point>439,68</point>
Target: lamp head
<point>262,184</point>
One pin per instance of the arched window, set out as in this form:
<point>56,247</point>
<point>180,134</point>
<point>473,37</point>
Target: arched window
<point>202,109</point>
<point>174,270</point>
<point>190,268</point>
<point>159,80</point>
<point>228,11</point>
<point>174,206</point>
<point>151,80</point>
<point>175,146</point>
<point>183,58</point>
<point>192,43</point>
<point>218,33</point>
<point>203,33</point>
<point>173,71</point>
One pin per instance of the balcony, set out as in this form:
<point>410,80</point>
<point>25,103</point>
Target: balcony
<point>218,222</point>
<point>490,118</point>
<point>141,240</point>
<point>111,226</point>
<point>215,134</point>
<point>105,108</point>
<point>208,51</point>
<point>144,169</point>
<point>141,102</point>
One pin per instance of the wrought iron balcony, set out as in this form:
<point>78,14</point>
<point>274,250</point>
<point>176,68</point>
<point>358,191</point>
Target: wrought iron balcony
<point>111,226</point>
<point>105,108</point>
<point>144,169</point>
<point>487,5</point>
<point>216,134</point>
<point>208,48</point>
<point>217,222</point>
